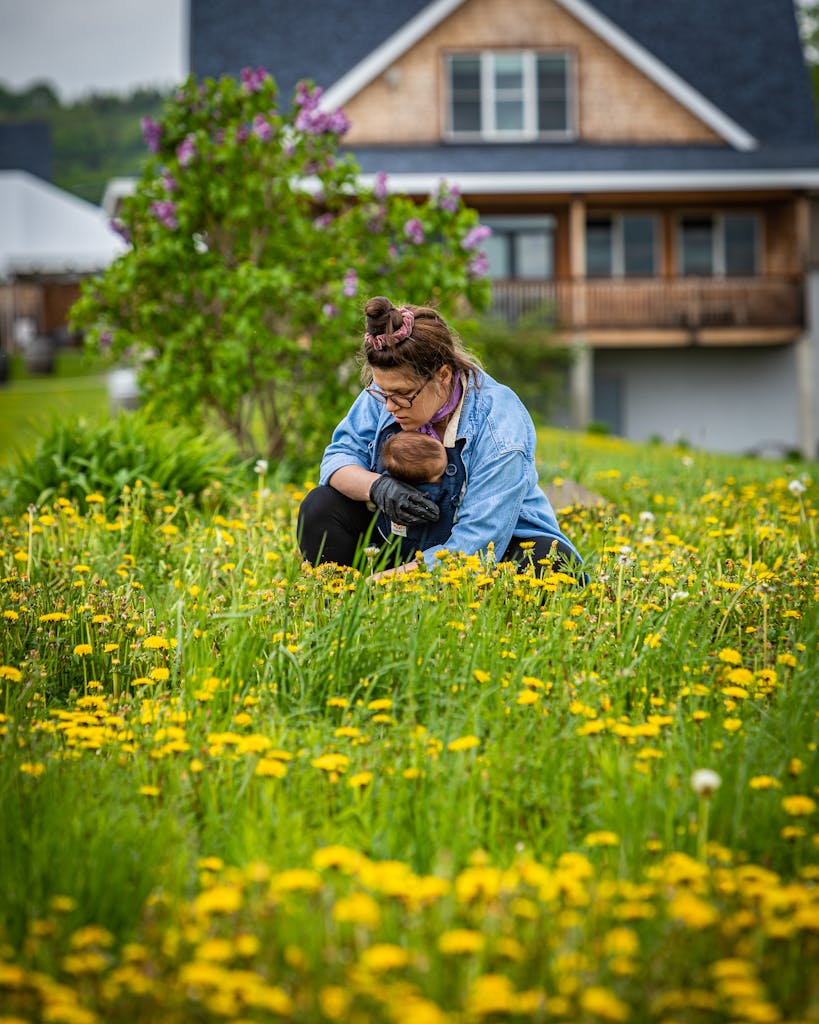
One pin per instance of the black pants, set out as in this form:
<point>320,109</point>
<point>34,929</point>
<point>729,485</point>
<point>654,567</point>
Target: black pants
<point>333,528</point>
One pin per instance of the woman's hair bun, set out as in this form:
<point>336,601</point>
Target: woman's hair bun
<point>382,316</point>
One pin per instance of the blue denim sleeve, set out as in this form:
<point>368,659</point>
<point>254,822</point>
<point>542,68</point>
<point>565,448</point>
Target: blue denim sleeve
<point>489,512</point>
<point>353,439</point>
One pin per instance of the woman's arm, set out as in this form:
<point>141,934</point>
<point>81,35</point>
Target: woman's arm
<point>353,481</point>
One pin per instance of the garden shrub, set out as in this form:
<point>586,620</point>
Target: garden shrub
<point>75,457</point>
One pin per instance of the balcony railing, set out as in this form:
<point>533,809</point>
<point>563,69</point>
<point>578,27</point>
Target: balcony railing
<point>689,303</point>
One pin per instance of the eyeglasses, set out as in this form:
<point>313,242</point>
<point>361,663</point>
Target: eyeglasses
<point>402,401</point>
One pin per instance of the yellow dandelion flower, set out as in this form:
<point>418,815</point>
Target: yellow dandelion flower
<point>149,790</point>
<point>601,1002</point>
<point>342,858</point>
<point>786,659</point>
<point>10,615</point>
<point>83,649</point>
<point>463,743</point>
<point>270,768</point>
<point>384,956</point>
<point>481,676</point>
<point>382,704</point>
<point>526,697</point>
<point>331,762</point>
<point>220,899</point>
<point>95,498</point>
<point>357,908</point>
<point>337,702</point>
<point>360,780</point>
<point>14,675</point>
<point>730,656</point>
<point>491,994</point>
<point>54,617</point>
<point>296,880</point>
<point>155,643</point>
<point>210,864</point>
<point>602,838</point>
<point>798,806</point>
<point>460,941</point>
<point>764,782</point>
<point>160,675</point>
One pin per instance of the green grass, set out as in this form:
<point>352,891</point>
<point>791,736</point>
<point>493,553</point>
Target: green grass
<point>28,403</point>
<point>234,786</point>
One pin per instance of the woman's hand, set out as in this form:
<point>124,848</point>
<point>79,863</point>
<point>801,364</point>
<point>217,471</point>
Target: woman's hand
<point>402,503</point>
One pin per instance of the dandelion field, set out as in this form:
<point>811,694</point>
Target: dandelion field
<point>235,788</point>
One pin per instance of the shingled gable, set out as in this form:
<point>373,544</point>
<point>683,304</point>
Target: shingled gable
<point>400,42</point>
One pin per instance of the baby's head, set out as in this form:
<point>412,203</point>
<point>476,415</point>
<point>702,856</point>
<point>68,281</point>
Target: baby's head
<point>413,457</point>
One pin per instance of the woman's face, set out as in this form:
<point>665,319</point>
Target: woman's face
<point>432,396</point>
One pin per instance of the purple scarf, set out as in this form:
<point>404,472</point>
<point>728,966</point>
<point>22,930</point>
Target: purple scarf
<point>449,405</point>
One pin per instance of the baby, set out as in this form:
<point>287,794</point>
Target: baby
<point>416,459</point>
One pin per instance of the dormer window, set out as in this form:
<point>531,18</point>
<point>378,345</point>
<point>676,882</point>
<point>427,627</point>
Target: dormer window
<point>509,96</point>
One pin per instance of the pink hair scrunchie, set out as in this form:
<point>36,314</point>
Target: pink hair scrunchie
<point>379,341</point>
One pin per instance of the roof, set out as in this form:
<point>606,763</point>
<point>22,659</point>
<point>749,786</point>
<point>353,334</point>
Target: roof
<point>743,59</point>
<point>591,168</point>
<point>45,230</point>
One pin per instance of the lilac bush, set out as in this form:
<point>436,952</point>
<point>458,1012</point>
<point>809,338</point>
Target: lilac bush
<point>254,244</point>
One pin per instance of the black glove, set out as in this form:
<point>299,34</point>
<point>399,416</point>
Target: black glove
<point>402,503</point>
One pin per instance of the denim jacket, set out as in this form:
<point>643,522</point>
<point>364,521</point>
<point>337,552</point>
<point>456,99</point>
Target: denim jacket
<point>500,498</point>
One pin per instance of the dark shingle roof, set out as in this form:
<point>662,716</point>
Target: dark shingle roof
<point>316,39</point>
<point>558,159</point>
<point>742,55</point>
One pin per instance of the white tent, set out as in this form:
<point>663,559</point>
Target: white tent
<point>45,230</point>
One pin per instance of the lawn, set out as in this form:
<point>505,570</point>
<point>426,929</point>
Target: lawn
<point>28,403</point>
<point>235,788</point>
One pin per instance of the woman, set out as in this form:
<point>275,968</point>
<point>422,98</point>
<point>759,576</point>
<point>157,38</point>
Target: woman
<point>488,498</point>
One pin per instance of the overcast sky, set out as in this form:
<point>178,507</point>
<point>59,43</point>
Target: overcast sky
<point>83,46</point>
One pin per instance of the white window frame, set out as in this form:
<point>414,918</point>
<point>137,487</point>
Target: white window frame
<point>489,132</point>
<point>718,240</point>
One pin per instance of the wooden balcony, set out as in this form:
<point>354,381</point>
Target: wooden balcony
<point>683,306</point>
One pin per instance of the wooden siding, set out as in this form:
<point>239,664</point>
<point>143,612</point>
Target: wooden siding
<point>614,102</point>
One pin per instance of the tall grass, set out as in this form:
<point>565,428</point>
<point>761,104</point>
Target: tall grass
<point>235,786</point>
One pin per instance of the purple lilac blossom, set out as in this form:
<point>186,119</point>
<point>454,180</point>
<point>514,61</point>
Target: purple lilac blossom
<point>261,129</point>
<point>152,133</point>
<point>186,151</point>
<point>168,182</point>
<point>329,310</point>
<point>242,133</point>
<point>414,231</point>
<point>165,212</point>
<point>313,121</point>
<point>472,239</point>
<point>479,265</point>
<point>448,197</point>
<point>121,229</point>
<point>380,188</point>
<point>324,221</point>
<point>106,340</point>
<point>350,283</point>
<point>252,81</point>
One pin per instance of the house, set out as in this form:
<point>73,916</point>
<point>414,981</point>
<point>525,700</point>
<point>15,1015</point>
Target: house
<point>650,172</point>
<point>49,241</point>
